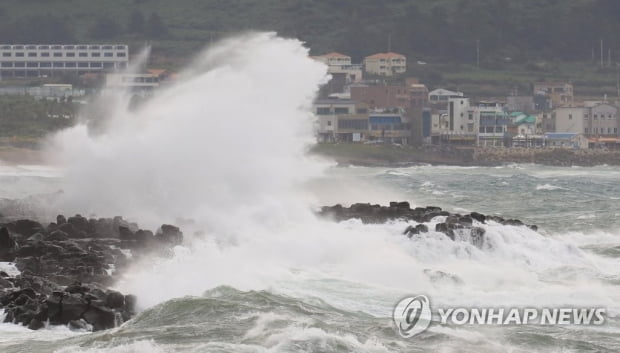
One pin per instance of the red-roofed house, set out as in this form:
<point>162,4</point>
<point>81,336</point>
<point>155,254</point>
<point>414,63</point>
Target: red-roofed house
<point>385,64</point>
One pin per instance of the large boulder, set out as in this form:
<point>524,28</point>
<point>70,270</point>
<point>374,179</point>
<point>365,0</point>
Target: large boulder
<point>27,227</point>
<point>170,235</point>
<point>8,246</point>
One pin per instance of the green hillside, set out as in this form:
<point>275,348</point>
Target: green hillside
<point>524,40</point>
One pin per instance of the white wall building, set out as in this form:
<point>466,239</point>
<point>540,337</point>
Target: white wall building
<point>341,64</point>
<point>441,95</point>
<point>36,60</point>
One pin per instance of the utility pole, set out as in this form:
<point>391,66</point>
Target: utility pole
<point>618,80</point>
<point>478,52</point>
<point>601,53</point>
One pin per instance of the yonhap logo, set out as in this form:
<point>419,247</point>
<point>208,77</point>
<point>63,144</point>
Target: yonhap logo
<point>412,315</point>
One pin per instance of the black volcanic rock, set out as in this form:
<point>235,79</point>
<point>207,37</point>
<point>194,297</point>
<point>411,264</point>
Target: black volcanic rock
<point>66,267</point>
<point>466,226</point>
<point>8,246</point>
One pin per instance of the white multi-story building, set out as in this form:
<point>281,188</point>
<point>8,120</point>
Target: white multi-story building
<point>30,60</point>
<point>484,123</point>
<point>340,64</point>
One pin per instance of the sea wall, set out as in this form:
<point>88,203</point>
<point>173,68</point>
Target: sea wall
<point>548,156</point>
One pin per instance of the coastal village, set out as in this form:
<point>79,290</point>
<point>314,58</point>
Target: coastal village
<point>372,102</point>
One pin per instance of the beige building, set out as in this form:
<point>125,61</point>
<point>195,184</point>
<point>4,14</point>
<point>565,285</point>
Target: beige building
<point>340,65</point>
<point>386,64</point>
<point>560,93</point>
<point>570,120</point>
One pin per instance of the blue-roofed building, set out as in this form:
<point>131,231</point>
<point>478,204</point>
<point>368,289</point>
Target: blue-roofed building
<point>390,127</point>
<point>566,140</point>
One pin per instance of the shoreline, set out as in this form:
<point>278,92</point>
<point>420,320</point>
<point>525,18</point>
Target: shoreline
<point>395,156</point>
<point>404,156</point>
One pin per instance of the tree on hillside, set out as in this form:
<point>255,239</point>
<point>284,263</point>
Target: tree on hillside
<point>135,23</point>
<point>155,27</point>
<point>105,28</point>
<point>36,29</point>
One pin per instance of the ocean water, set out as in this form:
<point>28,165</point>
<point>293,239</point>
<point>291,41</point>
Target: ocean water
<point>259,272</point>
<point>336,287</point>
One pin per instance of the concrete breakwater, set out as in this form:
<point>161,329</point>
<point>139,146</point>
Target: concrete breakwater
<point>392,155</point>
<point>549,156</point>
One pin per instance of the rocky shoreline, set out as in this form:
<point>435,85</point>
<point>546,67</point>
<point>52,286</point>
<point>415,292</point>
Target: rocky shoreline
<point>452,225</point>
<point>66,269</point>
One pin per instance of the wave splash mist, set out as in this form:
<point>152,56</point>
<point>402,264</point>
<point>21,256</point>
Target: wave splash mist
<point>228,136</point>
<point>225,146</point>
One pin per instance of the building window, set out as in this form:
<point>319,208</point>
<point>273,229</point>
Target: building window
<point>57,55</point>
<point>120,55</point>
<point>82,64</point>
<point>570,116</point>
<point>70,55</point>
<point>609,116</point>
<point>19,55</point>
<point>20,64</point>
<point>329,123</point>
<point>59,65</point>
<point>595,116</point>
<point>108,54</point>
<point>32,55</point>
<point>96,65</point>
<point>95,55</point>
<point>615,130</point>
<point>609,130</point>
<point>45,55</point>
<point>30,64</point>
<point>323,111</point>
<point>6,55</point>
<point>45,64</point>
<point>586,130</point>
<point>70,64</point>
<point>7,64</point>
<point>341,110</point>
<point>83,54</point>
